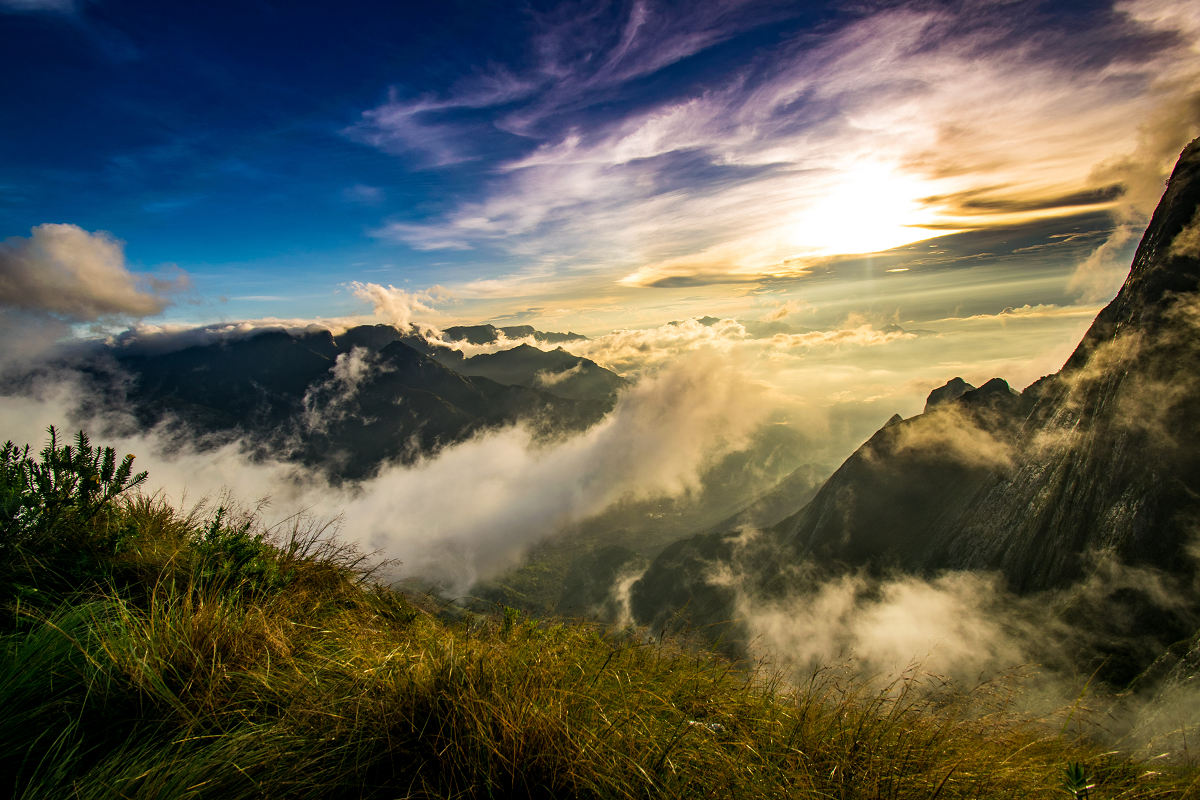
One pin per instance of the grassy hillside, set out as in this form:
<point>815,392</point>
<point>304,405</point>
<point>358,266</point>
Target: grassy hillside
<point>150,652</point>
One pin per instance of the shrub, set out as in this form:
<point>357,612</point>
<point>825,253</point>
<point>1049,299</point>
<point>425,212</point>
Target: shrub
<point>234,557</point>
<point>57,529</point>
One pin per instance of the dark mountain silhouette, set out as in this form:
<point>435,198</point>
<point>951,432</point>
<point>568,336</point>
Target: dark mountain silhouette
<point>283,393</point>
<point>256,382</point>
<point>489,334</point>
<point>954,389</point>
<point>555,371</point>
<point>407,403</point>
<point>1096,464</point>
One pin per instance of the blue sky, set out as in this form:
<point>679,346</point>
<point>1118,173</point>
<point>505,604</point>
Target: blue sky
<point>598,165</point>
<point>802,177</point>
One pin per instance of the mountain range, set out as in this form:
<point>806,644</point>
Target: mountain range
<point>353,401</point>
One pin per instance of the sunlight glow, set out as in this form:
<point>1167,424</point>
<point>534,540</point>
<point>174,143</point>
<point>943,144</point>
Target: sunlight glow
<point>872,208</point>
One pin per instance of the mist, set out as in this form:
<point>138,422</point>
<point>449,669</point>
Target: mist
<point>468,511</point>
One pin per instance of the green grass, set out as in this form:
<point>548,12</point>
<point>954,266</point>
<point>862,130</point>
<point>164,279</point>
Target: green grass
<point>208,657</point>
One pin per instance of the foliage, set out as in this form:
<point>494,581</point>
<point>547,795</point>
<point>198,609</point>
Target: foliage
<point>1075,781</point>
<point>253,662</point>
<point>233,556</point>
<point>57,529</point>
<point>70,485</point>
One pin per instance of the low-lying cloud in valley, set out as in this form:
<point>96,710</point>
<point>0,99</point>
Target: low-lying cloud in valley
<point>472,509</point>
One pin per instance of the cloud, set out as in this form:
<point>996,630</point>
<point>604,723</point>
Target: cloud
<point>415,126</point>
<point>548,379</point>
<point>1160,137</point>
<point>1186,243</point>
<point>862,336</point>
<point>1100,275</point>
<point>953,625</point>
<point>331,400</point>
<point>643,351</point>
<point>471,510</point>
<point>785,310</point>
<point>397,306</point>
<point>366,195</point>
<point>157,338</point>
<point>949,431</point>
<point>64,271</point>
<point>894,124</point>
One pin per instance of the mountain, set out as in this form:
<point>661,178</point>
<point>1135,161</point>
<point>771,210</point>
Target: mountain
<point>490,334</point>
<point>257,381</point>
<point>555,371</point>
<point>1095,467</point>
<point>1099,460</point>
<point>348,402</point>
<point>781,501</point>
<point>406,403</point>
<point>632,531</point>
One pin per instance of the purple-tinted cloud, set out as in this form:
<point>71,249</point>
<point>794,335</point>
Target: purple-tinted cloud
<point>899,124</point>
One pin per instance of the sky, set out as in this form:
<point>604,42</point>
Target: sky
<point>979,172</point>
<point>762,213</point>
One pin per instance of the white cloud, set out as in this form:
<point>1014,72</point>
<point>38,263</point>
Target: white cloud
<point>474,508</point>
<point>397,306</point>
<point>65,271</point>
<point>1187,242</point>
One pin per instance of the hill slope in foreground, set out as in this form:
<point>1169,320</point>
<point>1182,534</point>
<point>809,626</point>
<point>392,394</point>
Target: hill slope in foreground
<point>149,653</point>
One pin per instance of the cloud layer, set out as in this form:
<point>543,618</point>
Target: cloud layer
<point>472,510</point>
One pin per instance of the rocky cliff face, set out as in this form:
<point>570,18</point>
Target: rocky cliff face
<point>1100,461</point>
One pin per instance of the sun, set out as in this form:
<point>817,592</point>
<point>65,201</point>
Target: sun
<point>870,208</point>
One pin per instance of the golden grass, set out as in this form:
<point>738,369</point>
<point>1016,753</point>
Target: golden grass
<point>180,686</point>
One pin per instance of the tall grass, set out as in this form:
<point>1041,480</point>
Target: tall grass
<point>210,657</point>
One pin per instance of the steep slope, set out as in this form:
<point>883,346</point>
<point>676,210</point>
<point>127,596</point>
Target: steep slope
<point>1099,463</point>
<point>1101,459</point>
<point>782,501</point>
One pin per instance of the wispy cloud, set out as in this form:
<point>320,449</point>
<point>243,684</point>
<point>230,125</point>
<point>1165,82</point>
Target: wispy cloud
<point>896,125</point>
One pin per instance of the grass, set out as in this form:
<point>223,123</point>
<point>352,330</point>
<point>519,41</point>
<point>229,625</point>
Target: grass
<point>209,657</point>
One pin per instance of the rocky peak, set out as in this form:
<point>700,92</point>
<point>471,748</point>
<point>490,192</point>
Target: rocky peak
<point>1162,272</point>
<point>954,389</point>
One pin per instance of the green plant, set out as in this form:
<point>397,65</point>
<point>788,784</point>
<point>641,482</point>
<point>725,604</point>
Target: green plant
<point>59,531</point>
<point>235,557</point>
<point>1075,780</point>
<point>70,484</point>
<point>188,678</point>
<point>509,619</point>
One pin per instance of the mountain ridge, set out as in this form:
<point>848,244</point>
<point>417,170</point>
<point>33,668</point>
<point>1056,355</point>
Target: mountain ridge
<point>1096,464</point>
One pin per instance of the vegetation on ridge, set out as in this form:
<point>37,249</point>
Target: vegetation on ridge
<point>150,652</point>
